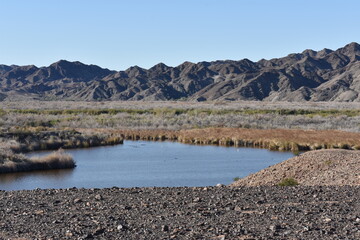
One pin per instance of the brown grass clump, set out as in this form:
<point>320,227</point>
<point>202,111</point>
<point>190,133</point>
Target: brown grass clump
<point>20,163</point>
<point>12,143</point>
<point>273,139</point>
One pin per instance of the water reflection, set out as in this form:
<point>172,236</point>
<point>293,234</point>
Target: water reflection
<point>57,174</point>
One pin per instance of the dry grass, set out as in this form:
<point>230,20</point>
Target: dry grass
<point>274,139</point>
<point>55,160</point>
<point>34,139</point>
<point>215,105</point>
<point>181,115</point>
<point>12,143</point>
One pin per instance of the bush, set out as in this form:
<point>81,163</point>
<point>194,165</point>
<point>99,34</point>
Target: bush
<point>288,182</point>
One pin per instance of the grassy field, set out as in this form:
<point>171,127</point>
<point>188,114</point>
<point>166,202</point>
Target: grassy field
<point>182,115</point>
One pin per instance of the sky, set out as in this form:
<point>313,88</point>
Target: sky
<point>117,34</point>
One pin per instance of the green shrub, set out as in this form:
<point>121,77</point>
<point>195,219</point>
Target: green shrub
<point>288,182</point>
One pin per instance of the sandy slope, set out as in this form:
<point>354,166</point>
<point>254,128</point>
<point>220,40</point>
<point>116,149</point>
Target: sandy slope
<point>321,167</point>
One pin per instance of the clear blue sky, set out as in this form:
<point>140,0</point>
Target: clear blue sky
<point>117,34</point>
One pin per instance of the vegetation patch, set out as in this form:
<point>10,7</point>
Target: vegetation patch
<point>20,163</point>
<point>236,179</point>
<point>272,139</point>
<point>13,143</point>
<point>190,111</point>
<point>288,182</point>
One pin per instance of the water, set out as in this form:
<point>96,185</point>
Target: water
<point>147,164</point>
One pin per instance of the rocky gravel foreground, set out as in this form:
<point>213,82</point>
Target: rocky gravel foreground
<point>182,213</point>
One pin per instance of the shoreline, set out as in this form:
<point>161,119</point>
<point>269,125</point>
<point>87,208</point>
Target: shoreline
<point>272,139</point>
<point>14,144</point>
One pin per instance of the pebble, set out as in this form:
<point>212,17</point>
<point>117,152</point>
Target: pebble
<point>121,227</point>
<point>68,233</point>
<point>183,213</point>
<point>164,228</point>
<point>99,231</point>
<point>98,197</point>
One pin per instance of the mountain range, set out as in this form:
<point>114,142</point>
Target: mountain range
<point>324,75</point>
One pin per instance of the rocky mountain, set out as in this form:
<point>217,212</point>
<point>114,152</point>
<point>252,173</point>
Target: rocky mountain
<point>324,75</point>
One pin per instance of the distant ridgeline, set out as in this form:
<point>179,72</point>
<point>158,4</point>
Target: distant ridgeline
<point>325,75</point>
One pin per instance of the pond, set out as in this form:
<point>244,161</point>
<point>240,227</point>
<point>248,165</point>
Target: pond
<point>148,164</point>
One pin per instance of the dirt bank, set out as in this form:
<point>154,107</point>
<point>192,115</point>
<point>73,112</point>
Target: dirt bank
<point>320,167</point>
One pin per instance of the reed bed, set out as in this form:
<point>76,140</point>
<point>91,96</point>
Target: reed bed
<point>33,139</point>
<point>273,139</point>
<point>13,143</point>
<point>20,163</point>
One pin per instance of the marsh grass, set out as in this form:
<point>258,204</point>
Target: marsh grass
<point>20,163</point>
<point>272,139</point>
<point>40,138</point>
<point>13,143</point>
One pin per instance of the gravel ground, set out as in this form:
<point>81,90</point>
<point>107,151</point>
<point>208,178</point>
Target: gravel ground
<point>315,168</point>
<point>302,212</point>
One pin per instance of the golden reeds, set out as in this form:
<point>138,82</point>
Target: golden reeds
<point>55,160</point>
<point>273,139</point>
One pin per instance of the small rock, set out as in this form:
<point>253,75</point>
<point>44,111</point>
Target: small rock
<point>68,233</point>
<point>237,209</point>
<point>77,200</point>
<point>99,231</point>
<point>197,199</point>
<point>39,212</point>
<point>98,197</point>
<point>357,220</point>
<point>121,227</point>
<point>275,228</point>
<point>88,236</point>
<point>219,185</point>
<point>327,220</point>
<point>164,228</point>
<point>221,237</point>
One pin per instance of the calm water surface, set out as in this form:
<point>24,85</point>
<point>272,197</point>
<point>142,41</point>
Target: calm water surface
<point>146,164</point>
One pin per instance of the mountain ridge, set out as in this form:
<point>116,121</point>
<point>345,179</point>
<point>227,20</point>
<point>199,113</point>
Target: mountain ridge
<point>325,75</point>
